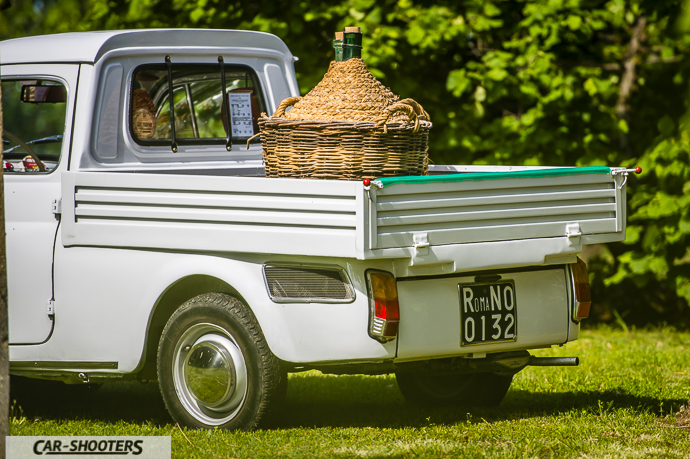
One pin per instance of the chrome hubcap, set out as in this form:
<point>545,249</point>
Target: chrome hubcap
<point>210,374</point>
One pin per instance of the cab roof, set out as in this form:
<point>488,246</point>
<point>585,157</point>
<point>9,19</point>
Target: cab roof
<point>89,47</point>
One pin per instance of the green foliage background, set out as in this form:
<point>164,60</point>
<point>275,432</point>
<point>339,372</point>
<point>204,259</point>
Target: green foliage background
<point>553,82</point>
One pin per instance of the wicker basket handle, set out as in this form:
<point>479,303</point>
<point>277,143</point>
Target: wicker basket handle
<point>411,108</point>
<point>418,109</point>
<point>289,102</point>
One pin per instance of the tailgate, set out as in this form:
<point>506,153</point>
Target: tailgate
<point>497,206</point>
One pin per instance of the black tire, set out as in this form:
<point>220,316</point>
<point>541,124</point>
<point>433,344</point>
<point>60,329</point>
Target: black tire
<point>432,389</point>
<point>215,368</point>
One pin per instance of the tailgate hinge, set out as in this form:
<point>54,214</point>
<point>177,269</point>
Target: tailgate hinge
<point>421,244</point>
<point>573,233</point>
<point>51,308</point>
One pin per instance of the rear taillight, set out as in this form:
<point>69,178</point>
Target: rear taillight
<point>384,312</point>
<point>583,299</point>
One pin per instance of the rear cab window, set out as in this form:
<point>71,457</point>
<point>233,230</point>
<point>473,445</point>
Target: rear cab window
<point>200,115</point>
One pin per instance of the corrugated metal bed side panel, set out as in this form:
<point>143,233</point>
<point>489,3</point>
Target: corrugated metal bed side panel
<point>231,207</point>
<point>213,213</point>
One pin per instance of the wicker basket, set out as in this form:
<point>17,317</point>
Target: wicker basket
<point>349,127</point>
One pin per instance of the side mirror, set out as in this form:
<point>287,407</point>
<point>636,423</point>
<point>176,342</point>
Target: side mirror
<point>37,93</point>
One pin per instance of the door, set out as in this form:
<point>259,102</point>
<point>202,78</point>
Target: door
<point>37,115</point>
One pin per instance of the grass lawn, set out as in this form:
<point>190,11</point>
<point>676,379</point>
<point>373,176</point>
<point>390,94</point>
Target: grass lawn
<point>626,399</point>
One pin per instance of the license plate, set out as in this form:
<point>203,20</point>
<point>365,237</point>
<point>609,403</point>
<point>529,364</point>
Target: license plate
<point>488,313</point>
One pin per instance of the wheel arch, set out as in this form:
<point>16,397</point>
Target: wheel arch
<point>167,303</point>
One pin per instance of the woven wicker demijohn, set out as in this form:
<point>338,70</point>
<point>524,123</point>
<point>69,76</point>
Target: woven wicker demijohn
<point>349,127</point>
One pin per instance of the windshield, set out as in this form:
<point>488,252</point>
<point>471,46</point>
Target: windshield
<point>32,130</point>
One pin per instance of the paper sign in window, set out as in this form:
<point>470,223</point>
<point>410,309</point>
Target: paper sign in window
<point>241,114</point>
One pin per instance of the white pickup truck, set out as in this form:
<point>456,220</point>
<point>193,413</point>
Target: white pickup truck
<point>143,248</point>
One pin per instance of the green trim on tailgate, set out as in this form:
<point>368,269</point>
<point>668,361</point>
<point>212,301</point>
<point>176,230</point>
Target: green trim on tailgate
<point>556,172</point>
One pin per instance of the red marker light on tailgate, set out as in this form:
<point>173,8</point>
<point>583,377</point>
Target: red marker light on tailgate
<point>384,312</point>
<point>582,294</point>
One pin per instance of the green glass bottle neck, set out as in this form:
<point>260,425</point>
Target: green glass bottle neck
<point>352,45</point>
<point>338,48</point>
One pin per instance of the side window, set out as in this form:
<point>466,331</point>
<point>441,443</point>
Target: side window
<point>108,144</point>
<point>34,113</point>
<point>199,113</point>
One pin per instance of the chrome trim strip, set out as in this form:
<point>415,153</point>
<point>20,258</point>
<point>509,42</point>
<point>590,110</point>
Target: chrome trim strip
<point>34,365</point>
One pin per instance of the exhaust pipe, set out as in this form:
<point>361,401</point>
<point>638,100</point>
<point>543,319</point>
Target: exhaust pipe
<point>553,361</point>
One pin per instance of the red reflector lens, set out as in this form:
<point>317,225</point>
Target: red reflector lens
<point>386,309</point>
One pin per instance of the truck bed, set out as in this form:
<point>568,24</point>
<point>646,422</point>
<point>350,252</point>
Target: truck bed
<point>428,220</point>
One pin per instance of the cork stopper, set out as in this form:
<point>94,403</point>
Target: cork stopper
<point>352,29</point>
<point>339,35</point>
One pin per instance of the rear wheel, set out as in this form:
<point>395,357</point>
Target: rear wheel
<point>438,389</point>
<point>214,366</point>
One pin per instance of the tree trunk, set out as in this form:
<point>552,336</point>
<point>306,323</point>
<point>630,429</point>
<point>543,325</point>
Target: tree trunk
<point>4,352</point>
<point>628,80</point>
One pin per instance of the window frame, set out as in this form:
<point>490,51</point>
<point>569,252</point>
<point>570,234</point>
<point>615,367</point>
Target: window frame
<point>66,130</point>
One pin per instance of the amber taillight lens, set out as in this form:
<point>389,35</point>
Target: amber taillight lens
<point>582,294</point>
